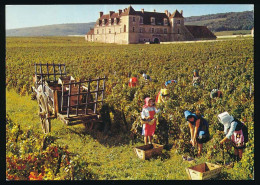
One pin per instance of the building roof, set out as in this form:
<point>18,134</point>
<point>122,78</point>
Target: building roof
<point>176,14</point>
<point>159,17</point>
<point>91,31</point>
<point>200,31</point>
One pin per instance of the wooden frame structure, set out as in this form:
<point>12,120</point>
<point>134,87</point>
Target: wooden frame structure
<point>64,98</point>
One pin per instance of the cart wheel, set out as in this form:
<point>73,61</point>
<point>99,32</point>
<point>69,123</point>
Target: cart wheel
<point>44,114</point>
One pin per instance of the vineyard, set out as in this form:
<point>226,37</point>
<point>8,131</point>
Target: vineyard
<point>106,153</point>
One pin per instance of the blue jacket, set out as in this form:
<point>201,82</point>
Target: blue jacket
<point>203,128</point>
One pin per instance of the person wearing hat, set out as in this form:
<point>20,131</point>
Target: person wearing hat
<point>170,82</point>
<point>161,96</point>
<point>196,78</point>
<point>215,93</point>
<point>199,129</point>
<point>148,119</point>
<point>236,131</point>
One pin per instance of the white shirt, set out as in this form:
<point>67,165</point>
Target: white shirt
<point>145,111</point>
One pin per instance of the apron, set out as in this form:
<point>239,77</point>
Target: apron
<point>148,130</point>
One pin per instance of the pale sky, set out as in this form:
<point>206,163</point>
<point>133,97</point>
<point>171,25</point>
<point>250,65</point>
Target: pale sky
<point>20,16</point>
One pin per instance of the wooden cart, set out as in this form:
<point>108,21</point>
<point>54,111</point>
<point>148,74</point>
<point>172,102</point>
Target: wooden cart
<point>60,96</point>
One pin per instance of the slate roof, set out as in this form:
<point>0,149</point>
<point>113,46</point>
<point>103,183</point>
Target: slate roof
<point>159,17</point>
<point>176,14</point>
<point>91,31</point>
<point>200,32</point>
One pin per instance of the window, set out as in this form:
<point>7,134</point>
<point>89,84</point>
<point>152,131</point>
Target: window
<point>144,40</point>
<point>165,30</point>
<point>124,28</point>
<point>140,30</point>
<point>109,21</point>
<point>103,22</point>
<point>133,29</point>
<point>178,31</point>
<point>178,21</point>
<point>141,20</point>
<point>133,19</point>
<point>97,31</point>
<point>165,21</point>
<point>115,21</point>
<point>152,20</point>
<point>152,30</point>
<point>109,31</point>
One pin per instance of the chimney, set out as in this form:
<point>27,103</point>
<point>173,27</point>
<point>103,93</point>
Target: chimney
<point>154,10</point>
<point>142,10</point>
<point>181,12</point>
<point>110,13</point>
<point>100,14</point>
<point>166,12</point>
<point>119,11</point>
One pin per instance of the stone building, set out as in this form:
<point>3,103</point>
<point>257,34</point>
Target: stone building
<point>132,27</point>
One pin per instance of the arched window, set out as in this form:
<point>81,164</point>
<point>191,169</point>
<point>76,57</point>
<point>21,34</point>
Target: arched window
<point>165,21</point>
<point>141,20</point>
<point>152,20</point>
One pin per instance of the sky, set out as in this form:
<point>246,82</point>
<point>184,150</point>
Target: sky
<point>21,16</point>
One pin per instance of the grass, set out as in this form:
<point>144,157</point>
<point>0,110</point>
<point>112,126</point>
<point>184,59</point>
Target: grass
<point>108,157</point>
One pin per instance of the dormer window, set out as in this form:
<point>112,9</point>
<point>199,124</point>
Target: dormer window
<point>152,20</point>
<point>165,21</point>
<point>141,20</point>
<point>103,22</point>
<point>115,22</point>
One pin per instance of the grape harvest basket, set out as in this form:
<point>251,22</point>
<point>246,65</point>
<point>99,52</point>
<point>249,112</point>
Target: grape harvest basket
<point>203,171</point>
<point>148,151</point>
<point>61,96</point>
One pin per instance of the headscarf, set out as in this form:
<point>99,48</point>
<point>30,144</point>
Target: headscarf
<point>225,119</point>
<point>146,101</point>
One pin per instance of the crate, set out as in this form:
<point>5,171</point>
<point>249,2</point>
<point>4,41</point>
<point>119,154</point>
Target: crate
<point>203,171</point>
<point>147,151</point>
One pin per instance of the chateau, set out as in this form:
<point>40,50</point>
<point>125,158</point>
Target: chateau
<point>132,27</point>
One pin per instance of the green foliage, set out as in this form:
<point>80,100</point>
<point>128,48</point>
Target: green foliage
<point>226,65</point>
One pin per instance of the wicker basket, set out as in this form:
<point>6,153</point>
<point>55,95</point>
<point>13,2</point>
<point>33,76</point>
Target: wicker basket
<point>147,151</point>
<point>203,171</point>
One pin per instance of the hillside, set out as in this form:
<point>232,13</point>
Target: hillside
<point>52,30</point>
<point>224,21</point>
<point>215,22</point>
